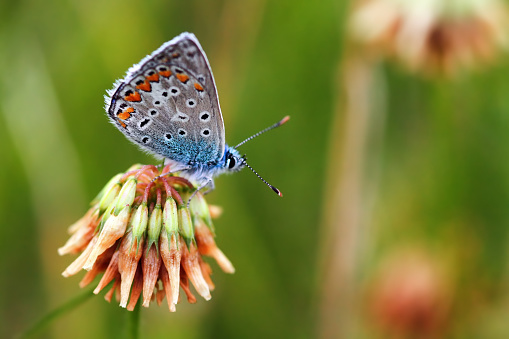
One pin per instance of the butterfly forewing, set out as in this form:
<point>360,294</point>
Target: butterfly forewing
<point>168,104</point>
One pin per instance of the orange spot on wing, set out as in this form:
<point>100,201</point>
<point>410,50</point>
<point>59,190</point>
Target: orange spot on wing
<point>198,87</point>
<point>133,97</point>
<point>165,73</point>
<point>182,77</point>
<point>126,114</point>
<point>122,124</point>
<point>145,86</point>
<point>175,55</point>
<point>153,77</point>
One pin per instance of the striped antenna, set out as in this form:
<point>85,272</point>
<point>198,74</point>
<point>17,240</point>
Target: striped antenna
<point>277,124</point>
<point>278,192</point>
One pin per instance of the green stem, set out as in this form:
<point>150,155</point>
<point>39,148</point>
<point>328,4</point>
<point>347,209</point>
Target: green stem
<point>133,323</point>
<point>57,313</point>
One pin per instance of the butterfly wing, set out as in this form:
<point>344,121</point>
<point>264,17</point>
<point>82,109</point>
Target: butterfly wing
<point>168,105</point>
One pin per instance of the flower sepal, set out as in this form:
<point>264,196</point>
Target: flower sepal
<point>139,222</point>
<point>170,217</point>
<point>113,181</point>
<point>155,224</point>
<point>126,195</point>
<point>200,210</point>
<point>186,225</point>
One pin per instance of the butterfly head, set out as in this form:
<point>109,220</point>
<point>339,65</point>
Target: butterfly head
<point>233,160</point>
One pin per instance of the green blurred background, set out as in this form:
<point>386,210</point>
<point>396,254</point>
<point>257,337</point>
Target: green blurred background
<point>432,182</point>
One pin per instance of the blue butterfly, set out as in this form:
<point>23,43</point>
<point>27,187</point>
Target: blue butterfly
<point>168,105</point>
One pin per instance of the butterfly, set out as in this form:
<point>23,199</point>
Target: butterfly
<point>168,105</point>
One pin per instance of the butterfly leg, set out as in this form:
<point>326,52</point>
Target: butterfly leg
<point>178,169</point>
<point>212,187</point>
<point>205,183</point>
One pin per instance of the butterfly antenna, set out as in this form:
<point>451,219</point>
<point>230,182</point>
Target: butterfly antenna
<point>277,124</point>
<point>278,192</point>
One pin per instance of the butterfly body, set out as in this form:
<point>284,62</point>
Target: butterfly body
<point>168,105</point>
<point>201,172</point>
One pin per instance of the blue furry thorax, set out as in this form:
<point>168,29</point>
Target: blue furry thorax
<point>205,166</point>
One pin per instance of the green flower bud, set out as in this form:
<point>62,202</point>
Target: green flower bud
<point>186,225</point>
<point>170,217</point>
<point>200,210</point>
<point>107,213</point>
<point>108,197</point>
<point>113,181</point>
<point>155,224</point>
<point>126,195</point>
<point>139,222</point>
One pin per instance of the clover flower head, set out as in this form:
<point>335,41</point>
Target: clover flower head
<point>147,242</point>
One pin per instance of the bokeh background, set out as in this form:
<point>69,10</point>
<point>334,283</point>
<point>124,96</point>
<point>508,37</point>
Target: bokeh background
<point>394,166</point>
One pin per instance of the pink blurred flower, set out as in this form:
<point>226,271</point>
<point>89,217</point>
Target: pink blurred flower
<point>410,297</point>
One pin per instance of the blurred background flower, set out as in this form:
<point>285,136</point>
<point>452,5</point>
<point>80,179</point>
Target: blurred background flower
<point>387,160</point>
<point>433,35</point>
<point>410,296</point>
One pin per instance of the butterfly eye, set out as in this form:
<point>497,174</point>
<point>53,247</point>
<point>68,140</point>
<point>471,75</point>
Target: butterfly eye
<point>231,163</point>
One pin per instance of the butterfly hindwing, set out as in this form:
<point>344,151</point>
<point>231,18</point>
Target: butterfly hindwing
<point>168,104</point>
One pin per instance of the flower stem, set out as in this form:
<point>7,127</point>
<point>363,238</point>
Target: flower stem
<point>133,323</point>
<point>349,190</point>
<point>57,313</point>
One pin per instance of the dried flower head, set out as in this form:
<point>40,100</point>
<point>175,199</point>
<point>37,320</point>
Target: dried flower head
<point>142,235</point>
<point>433,35</point>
